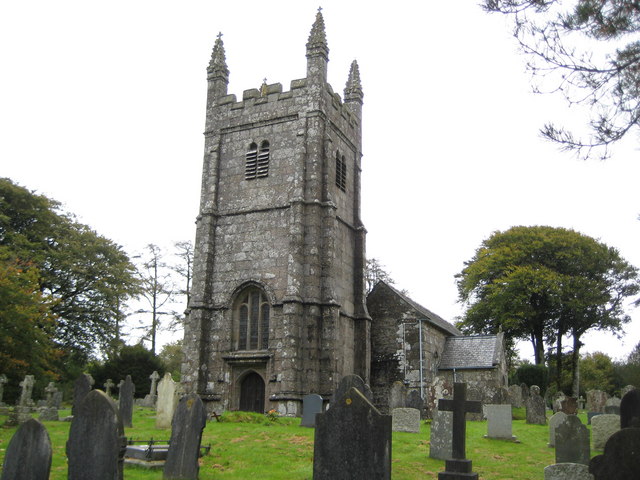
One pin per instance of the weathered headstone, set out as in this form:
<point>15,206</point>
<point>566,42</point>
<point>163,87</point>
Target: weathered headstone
<point>626,389</point>
<point>602,427</point>
<point>620,460</point>
<point>352,440</point>
<point>525,392</point>
<point>186,434</point>
<point>3,380</point>
<point>612,406</point>
<point>151,398</point>
<point>397,396</point>
<point>630,409</point>
<point>556,401</point>
<point>567,471</point>
<point>536,412</point>
<point>311,405</point>
<point>108,385</point>
<point>125,401</point>
<point>50,411</point>
<point>569,406</point>
<point>596,400</point>
<point>405,420</point>
<point>459,467</point>
<point>167,401</point>
<point>572,441</point>
<point>96,444</point>
<point>515,396</point>
<point>354,381</point>
<point>415,400</point>
<point>499,421</point>
<point>81,387</point>
<point>581,402</point>
<point>28,455</point>
<point>27,391</point>
<point>555,420</point>
<point>441,435</point>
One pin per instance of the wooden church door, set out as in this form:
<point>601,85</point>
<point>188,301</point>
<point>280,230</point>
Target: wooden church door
<point>252,393</point>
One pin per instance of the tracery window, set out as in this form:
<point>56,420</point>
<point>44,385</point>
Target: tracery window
<point>251,325</point>
<point>341,172</point>
<point>257,161</point>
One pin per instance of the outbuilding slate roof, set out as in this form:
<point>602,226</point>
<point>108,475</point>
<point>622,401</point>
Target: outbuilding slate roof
<point>481,351</point>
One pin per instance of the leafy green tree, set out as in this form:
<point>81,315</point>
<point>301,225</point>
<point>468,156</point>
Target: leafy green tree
<point>533,375</point>
<point>171,355</point>
<point>597,372</point>
<point>87,277</point>
<point>627,372</point>
<point>588,52</point>
<point>134,360</point>
<point>540,283</point>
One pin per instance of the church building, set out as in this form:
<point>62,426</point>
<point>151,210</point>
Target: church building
<point>278,307</point>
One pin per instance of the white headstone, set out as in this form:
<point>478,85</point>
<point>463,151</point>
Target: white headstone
<point>499,421</point>
<point>167,401</point>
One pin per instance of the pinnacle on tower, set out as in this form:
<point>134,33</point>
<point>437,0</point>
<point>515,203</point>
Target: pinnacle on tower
<point>353,89</point>
<point>317,44</point>
<point>218,65</point>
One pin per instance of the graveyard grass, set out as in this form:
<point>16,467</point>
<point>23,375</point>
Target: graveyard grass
<point>252,446</point>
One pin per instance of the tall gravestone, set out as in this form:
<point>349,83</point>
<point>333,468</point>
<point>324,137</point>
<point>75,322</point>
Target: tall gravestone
<point>352,440</point>
<point>596,400</point>
<point>441,435</point>
<point>125,400</point>
<point>620,460</point>
<point>108,385</point>
<point>167,401</point>
<point>536,412</point>
<point>555,420</point>
<point>50,411</point>
<point>572,441</point>
<point>28,455</point>
<point>22,411</point>
<point>499,421</point>
<point>311,405</point>
<point>186,435</point>
<point>81,387</point>
<point>459,467</point>
<point>151,398</point>
<point>96,445</point>
<point>515,396</point>
<point>630,409</point>
<point>27,391</point>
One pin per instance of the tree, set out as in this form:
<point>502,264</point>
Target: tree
<point>587,51</point>
<point>597,372</point>
<point>87,277</point>
<point>171,355</point>
<point>375,272</point>
<point>540,283</point>
<point>184,269</point>
<point>628,371</point>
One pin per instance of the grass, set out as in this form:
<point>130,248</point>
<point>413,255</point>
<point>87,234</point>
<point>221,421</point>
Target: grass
<point>251,446</point>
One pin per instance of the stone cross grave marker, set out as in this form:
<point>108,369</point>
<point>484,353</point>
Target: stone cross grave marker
<point>3,380</point>
<point>151,398</point>
<point>125,398</point>
<point>27,390</point>
<point>186,434</point>
<point>50,411</point>
<point>555,420</point>
<point>572,441</point>
<point>567,471</point>
<point>81,387</point>
<point>311,405</point>
<point>108,385</point>
<point>50,391</point>
<point>630,409</point>
<point>499,421</point>
<point>458,467</point>
<point>28,455</point>
<point>620,460</point>
<point>352,440</point>
<point>96,445</point>
<point>167,401</point>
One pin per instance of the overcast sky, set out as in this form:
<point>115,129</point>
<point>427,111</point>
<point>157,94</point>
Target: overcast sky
<point>102,107</point>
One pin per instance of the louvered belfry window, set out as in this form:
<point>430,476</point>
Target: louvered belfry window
<point>252,320</point>
<point>341,172</point>
<point>257,161</point>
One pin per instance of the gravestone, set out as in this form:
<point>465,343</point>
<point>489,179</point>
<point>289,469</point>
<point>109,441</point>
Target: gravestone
<point>352,440</point>
<point>311,405</point>
<point>499,421</point>
<point>405,420</point>
<point>626,390</point>
<point>602,427</point>
<point>556,401</point>
<point>108,385</point>
<point>620,460</point>
<point>590,416</point>
<point>28,455</point>
<point>612,406</point>
<point>27,391</point>
<point>525,392</point>
<point>500,397</point>
<point>81,387</point>
<point>96,444</point>
<point>22,411</point>
<point>397,396</point>
<point>125,400</point>
<point>3,380</point>
<point>596,400</point>
<point>630,409</point>
<point>567,471</point>
<point>515,396</point>
<point>415,400</point>
<point>441,435</point>
<point>555,420</point>
<point>581,402</point>
<point>354,381</point>
<point>50,411</point>
<point>572,441</point>
<point>151,398</point>
<point>57,399</point>
<point>186,434</point>
<point>458,467</point>
<point>569,406</point>
<point>536,412</point>
<point>167,401</point>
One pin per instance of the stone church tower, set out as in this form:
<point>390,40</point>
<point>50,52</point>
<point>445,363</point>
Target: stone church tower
<point>278,307</point>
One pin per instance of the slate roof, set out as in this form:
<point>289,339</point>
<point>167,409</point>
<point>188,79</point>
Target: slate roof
<point>435,320</point>
<point>476,352</point>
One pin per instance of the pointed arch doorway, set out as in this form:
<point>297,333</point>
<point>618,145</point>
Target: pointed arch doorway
<point>252,393</point>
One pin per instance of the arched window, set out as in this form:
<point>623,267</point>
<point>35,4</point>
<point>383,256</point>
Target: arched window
<point>251,320</point>
<point>341,172</point>
<point>257,161</point>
